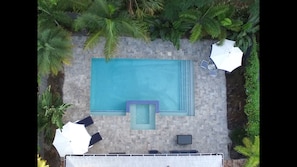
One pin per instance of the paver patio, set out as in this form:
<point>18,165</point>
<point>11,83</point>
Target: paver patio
<point>208,127</point>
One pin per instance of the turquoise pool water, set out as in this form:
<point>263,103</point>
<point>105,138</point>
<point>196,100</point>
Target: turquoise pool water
<point>142,116</point>
<point>119,80</point>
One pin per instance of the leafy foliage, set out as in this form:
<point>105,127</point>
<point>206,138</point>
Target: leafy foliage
<point>50,111</point>
<point>143,8</point>
<point>41,162</point>
<point>54,46</point>
<point>195,23</point>
<point>170,25</point>
<point>50,15</point>
<point>252,110</point>
<point>104,19</point>
<point>210,20</point>
<point>250,28</point>
<point>54,49</point>
<point>172,8</point>
<point>252,86</point>
<point>74,5</point>
<point>251,150</point>
<point>167,30</point>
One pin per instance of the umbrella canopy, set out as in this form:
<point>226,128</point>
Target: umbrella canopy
<point>226,57</point>
<point>72,139</point>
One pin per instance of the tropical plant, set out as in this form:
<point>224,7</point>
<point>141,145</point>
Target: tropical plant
<point>169,25</point>
<point>166,30</point>
<point>172,8</point>
<point>107,20</point>
<point>50,112</point>
<point>251,150</point>
<point>143,8</point>
<point>55,23</point>
<point>250,28</point>
<point>195,23</point>
<point>41,162</point>
<point>210,21</point>
<point>54,49</point>
<point>51,16</point>
<point>74,5</point>
<point>57,13</point>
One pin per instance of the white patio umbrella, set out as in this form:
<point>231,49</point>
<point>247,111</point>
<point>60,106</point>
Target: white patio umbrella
<point>226,56</point>
<point>72,139</point>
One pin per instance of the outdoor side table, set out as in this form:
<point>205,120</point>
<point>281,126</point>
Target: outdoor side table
<point>184,139</point>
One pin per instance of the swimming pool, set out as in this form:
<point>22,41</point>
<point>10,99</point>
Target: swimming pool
<point>115,82</point>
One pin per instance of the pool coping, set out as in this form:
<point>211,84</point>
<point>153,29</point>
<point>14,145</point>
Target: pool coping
<point>153,102</point>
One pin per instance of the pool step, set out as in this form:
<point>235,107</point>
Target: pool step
<point>187,90</point>
<point>142,114</point>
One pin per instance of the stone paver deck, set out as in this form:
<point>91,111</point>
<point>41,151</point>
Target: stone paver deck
<point>208,127</point>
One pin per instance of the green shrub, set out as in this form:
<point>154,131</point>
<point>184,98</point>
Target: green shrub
<point>252,87</point>
<point>49,113</point>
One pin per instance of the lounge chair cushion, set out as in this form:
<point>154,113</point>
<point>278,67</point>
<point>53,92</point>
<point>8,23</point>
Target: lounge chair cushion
<point>95,138</point>
<point>86,121</point>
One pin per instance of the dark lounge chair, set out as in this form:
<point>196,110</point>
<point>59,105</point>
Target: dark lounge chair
<point>86,121</point>
<point>94,139</point>
<point>153,152</point>
<point>183,151</point>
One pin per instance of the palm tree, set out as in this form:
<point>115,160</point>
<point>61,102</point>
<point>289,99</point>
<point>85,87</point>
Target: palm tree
<point>54,49</point>
<point>107,20</point>
<point>54,26</point>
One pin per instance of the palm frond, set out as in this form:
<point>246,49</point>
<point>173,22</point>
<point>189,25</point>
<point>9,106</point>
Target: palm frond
<point>101,8</point>
<point>212,27</point>
<point>133,28</point>
<point>183,26</point>
<point>150,7</point>
<point>175,36</point>
<point>93,39</point>
<point>217,10</point>
<point>252,162</point>
<point>235,26</point>
<point>63,19</point>
<point>51,14</point>
<point>89,21</point>
<point>189,15</point>
<point>247,142</point>
<point>74,5</point>
<point>46,21</point>
<point>110,47</point>
<point>172,8</point>
<point>196,33</point>
<point>223,35</point>
<point>111,39</point>
<point>54,48</point>
<point>251,150</point>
